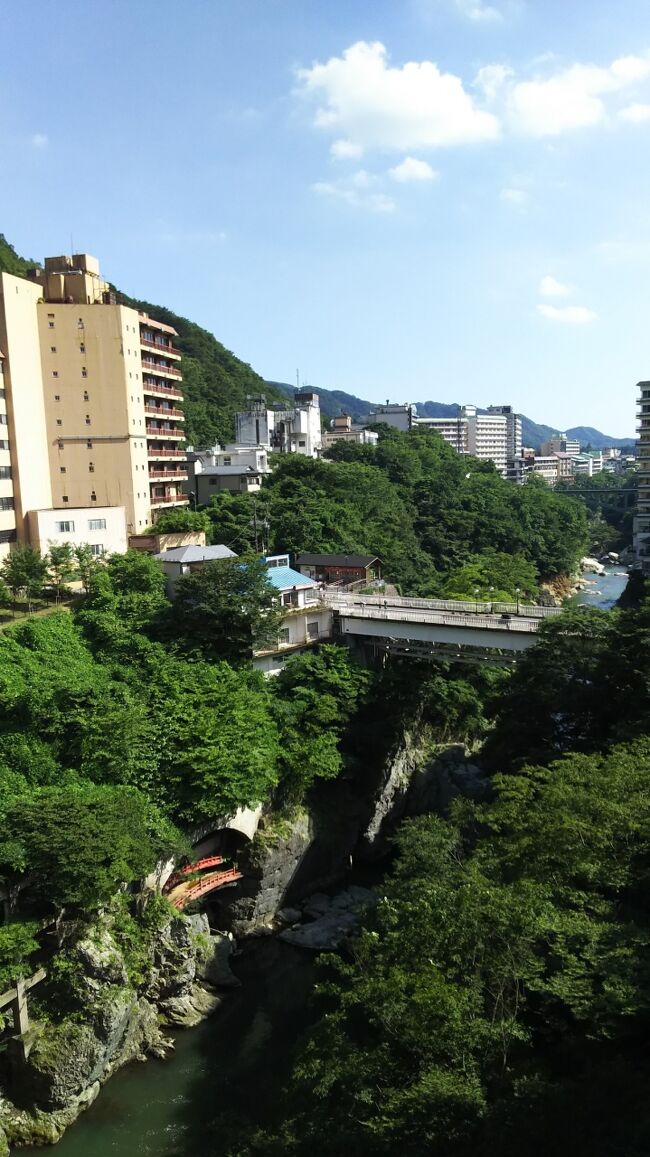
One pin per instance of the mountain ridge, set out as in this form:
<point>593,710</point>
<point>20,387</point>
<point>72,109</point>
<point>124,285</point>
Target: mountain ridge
<point>335,402</point>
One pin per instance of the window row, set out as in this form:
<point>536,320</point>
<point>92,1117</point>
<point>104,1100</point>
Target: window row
<point>6,503</point>
<point>67,526</point>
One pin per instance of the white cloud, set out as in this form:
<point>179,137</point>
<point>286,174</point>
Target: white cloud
<point>491,79</point>
<point>549,287</point>
<point>636,114</point>
<point>571,99</point>
<point>568,314</point>
<point>411,169</point>
<point>477,11</point>
<point>355,194</point>
<point>513,196</point>
<point>373,105</point>
<point>39,140</point>
<point>345,150</point>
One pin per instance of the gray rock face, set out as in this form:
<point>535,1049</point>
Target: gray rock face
<point>68,1062</point>
<point>335,919</point>
<point>270,865</point>
<point>414,783</point>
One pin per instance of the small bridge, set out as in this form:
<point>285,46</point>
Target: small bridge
<point>16,998</point>
<point>180,890</point>
<point>420,628</point>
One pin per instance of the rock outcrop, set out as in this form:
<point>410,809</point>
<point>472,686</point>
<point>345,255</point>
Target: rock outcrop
<point>116,1019</point>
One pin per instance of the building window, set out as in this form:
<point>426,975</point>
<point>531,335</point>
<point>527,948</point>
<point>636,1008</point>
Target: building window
<point>89,445</point>
<point>227,461</point>
<point>84,372</point>
<point>65,527</point>
<point>61,445</point>
<point>52,349</point>
<point>97,548</point>
<point>57,397</point>
<point>86,396</point>
<point>62,470</point>
<point>313,630</point>
<point>3,419</point>
<point>59,422</point>
<point>6,503</point>
<point>290,599</point>
<point>93,497</point>
<point>82,348</point>
<point>5,471</point>
<point>50,315</point>
<point>283,637</point>
<point>55,373</point>
<point>51,324</point>
<point>87,419</point>
<point>91,467</point>
<point>4,444</point>
<point>97,524</point>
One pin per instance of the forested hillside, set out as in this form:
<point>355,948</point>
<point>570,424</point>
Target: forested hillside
<point>10,262</point>
<point>443,525</point>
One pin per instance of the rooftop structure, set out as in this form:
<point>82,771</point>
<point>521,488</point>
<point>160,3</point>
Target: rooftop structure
<point>289,429</point>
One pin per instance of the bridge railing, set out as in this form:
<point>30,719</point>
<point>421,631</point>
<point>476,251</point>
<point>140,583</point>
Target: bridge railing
<point>423,615</point>
<point>449,605</point>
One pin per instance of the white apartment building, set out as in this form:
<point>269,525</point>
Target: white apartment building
<point>494,436</point>
<point>401,416</point>
<point>642,519</point>
<point>239,469</point>
<point>560,444</point>
<point>102,528</point>
<point>343,429</point>
<point>306,619</point>
<point>286,430</point>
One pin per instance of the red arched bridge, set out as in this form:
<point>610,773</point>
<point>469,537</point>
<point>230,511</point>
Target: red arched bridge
<point>180,890</point>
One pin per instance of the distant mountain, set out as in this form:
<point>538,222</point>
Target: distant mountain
<point>335,402</point>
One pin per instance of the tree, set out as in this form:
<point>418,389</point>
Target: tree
<point>61,568</point>
<point>176,521</point>
<point>74,846</point>
<point>226,609</point>
<point>86,564</point>
<point>24,569</point>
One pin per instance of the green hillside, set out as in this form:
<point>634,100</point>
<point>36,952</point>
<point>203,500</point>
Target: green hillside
<point>10,262</point>
<point>215,382</point>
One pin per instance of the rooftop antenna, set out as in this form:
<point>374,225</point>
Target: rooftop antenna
<point>71,245</point>
<point>297,379</point>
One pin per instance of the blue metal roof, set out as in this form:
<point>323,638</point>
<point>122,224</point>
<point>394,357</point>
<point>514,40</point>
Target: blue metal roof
<point>283,578</point>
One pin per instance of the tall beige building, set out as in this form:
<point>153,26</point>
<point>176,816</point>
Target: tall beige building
<point>92,396</point>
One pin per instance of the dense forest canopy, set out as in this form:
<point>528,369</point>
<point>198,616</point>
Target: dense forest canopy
<point>441,524</point>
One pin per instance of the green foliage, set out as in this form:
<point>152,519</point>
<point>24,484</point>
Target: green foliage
<point>24,571</point>
<point>61,568</point>
<point>74,846</point>
<point>175,521</point>
<point>494,576</point>
<point>508,950</point>
<point>10,262</point>
<point>17,943</point>
<point>315,695</point>
<point>226,609</point>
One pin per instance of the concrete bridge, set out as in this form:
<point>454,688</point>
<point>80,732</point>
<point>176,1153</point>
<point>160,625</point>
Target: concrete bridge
<point>429,628</point>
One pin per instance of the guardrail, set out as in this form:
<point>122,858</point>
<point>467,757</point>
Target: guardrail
<point>493,622</point>
<point>450,605</point>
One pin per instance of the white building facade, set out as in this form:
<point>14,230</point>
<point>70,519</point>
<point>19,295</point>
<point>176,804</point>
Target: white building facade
<point>292,429</point>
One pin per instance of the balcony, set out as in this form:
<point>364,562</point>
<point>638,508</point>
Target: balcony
<point>173,474</point>
<point>164,432</point>
<point>164,452</point>
<point>158,347</point>
<point>165,390</point>
<point>155,368</point>
<point>169,499</point>
<point>159,412</point>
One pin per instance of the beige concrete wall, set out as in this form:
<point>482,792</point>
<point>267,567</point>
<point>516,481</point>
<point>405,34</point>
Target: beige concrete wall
<point>94,407</point>
<point>26,423</point>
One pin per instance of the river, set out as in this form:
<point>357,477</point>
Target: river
<point>225,1074</point>
<point>602,590</point>
<point>229,1071</point>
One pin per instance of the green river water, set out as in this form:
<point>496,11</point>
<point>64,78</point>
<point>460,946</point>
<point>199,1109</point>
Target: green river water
<point>230,1070</point>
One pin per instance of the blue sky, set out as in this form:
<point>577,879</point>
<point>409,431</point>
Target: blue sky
<point>406,199</point>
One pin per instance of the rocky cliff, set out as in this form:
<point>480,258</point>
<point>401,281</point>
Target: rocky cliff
<point>113,1013</point>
